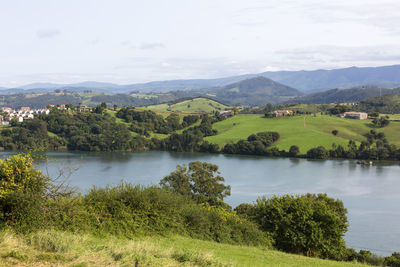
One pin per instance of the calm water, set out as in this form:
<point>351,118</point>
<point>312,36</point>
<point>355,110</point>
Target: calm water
<point>371,194</point>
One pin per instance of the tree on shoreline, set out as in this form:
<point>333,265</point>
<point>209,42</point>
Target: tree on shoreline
<point>200,181</point>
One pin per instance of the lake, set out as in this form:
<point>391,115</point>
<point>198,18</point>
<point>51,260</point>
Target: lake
<point>371,194</point>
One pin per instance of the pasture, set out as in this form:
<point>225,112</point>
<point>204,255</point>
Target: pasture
<point>305,131</point>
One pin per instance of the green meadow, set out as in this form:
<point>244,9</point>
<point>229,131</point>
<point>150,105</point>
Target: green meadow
<point>57,248</point>
<point>305,131</point>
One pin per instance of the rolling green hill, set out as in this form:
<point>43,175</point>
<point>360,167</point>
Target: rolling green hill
<point>304,131</point>
<point>56,248</point>
<point>196,105</point>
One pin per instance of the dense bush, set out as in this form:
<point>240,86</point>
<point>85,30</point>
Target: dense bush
<point>313,225</point>
<point>22,191</point>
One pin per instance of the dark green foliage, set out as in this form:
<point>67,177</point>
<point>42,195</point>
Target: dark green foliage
<point>208,147</point>
<point>191,139</point>
<point>145,121</point>
<point>373,115</point>
<point>100,108</point>
<point>393,261</point>
<point>200,181</point>
<point>89,131</point>
<point>30,134</point>
<point>338,109</point>
<point>189,120</point>
<point>345,96</point>
<point>82,131</point>
<point>381,122</point>
<point>22,192</point>
<point>318,153</point>
<point>256,144</point>
<point>309,224</point>
<point>294,151</point>
<point>387,104</point>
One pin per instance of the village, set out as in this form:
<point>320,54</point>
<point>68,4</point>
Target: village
<point>27,113</point>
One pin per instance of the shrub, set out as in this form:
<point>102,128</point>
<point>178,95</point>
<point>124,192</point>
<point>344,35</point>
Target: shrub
<point>309,224</point>
<point>22,191</point>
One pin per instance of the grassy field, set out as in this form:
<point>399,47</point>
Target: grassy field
<point>197,105</point>
<point>54,248</point>
<point>304,131</point>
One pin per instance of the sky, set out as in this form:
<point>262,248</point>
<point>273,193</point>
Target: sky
<point>132,41</point>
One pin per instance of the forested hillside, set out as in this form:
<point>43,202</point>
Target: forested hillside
<point>388,104</point>
<point>345,95</point>
<point>254,92</point>
<point>40,100</point>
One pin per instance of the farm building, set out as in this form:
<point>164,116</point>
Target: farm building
<point>355,115</point>
<point>285,112</point>
<point>226,113</point>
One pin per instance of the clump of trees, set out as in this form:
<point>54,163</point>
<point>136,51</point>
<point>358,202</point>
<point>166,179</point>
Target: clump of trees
<point>146,121</point>
<point>338,109</point>
<point>380,122</point>
<point>256,144</point>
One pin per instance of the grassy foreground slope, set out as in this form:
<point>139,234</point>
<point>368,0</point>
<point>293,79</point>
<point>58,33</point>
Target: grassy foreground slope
<point>55,248</point>
<point>304,131</point>
<point>197,105</point>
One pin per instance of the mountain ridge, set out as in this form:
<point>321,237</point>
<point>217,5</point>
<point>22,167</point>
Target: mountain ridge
<point>254,91</point>
<point>303,80</point>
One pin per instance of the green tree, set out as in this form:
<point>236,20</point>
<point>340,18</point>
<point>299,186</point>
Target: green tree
<point>318,153</point>
<point>294,151</point>
<point>310,224</point>
<point>200,180</point>
<point>393,260</point>
<point>381,122</point>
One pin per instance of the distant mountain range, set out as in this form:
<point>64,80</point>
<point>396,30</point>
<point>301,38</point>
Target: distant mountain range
<point>305,81</point>
<point>87,84</point>
<point>256,89</point>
